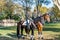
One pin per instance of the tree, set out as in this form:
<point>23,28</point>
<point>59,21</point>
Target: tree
<point>43,10</point>
<point>2,3</point>
<point>56,13</point>
<point>56,10</point>
<point>57,3</point>
<point>39,5</point>
<point>8,9</point>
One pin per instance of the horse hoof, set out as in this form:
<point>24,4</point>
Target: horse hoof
<point>32,39</point>
<point>19,36</point>
<point>22,37</point>
<point>42,38</point>
<point>39,38</point>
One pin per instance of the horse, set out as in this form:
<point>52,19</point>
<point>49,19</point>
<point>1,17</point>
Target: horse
<point>22,25</point>
<point>39,25</point>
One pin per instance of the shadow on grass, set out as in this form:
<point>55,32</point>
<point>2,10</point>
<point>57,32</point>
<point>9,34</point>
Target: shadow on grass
<point>8,28</point>
<point>13,35</point>
<point>50,25</point>
<point>6,38</point>
<point>52,29</point>
<point>57,37</point>
<point>0,34</point>
<point>48,39</point>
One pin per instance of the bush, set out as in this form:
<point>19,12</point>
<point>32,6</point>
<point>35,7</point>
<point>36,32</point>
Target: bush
<point>2,16</point>
<point>16,17</point>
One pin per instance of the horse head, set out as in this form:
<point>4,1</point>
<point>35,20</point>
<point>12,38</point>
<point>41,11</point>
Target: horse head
<point>47,17</point>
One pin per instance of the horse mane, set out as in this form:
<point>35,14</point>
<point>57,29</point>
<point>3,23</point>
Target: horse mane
<point>45,14</point>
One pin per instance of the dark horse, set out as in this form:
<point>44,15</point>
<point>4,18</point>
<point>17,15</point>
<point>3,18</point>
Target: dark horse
<point>30,26</point>
<point>39,25</point>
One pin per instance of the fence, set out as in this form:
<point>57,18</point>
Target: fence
<point>8,22</point>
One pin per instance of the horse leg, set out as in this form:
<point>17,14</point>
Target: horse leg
<point>40,32</point>
<point>18,31</point>
<point>40,29</point>
<point>32,33</point>
<point>22,32</point>
<point>27,31</point>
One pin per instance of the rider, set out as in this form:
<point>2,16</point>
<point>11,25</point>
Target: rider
<point>34,14</point>
<point>29,22</point>
<point>29,19</point>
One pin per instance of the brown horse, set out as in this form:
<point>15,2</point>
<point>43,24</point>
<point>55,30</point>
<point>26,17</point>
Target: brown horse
<point>39,25</point>
<point>39,21</point>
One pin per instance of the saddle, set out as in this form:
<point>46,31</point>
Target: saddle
<point>27,22</point>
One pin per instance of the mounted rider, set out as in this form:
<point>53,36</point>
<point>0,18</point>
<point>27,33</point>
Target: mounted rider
<point>29,20</point>
<point>39,15</point>
<point>34,14</point>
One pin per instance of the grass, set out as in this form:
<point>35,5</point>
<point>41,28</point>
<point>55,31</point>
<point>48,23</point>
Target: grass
<point>55,27</point>
<point>50,31</point>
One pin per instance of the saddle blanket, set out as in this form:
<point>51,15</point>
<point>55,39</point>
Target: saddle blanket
<point>27,21</point>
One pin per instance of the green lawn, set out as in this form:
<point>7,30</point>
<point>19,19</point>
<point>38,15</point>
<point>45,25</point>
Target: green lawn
<point>50,31</point>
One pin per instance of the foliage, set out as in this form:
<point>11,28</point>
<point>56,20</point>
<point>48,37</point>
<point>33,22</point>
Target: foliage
<point>43,10</point>
<point>2,16</point>
<point>7,8</point>
<point>16,17</point>
<point>54,14</point>
<point>2,3</point>
<point>56,11</point>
